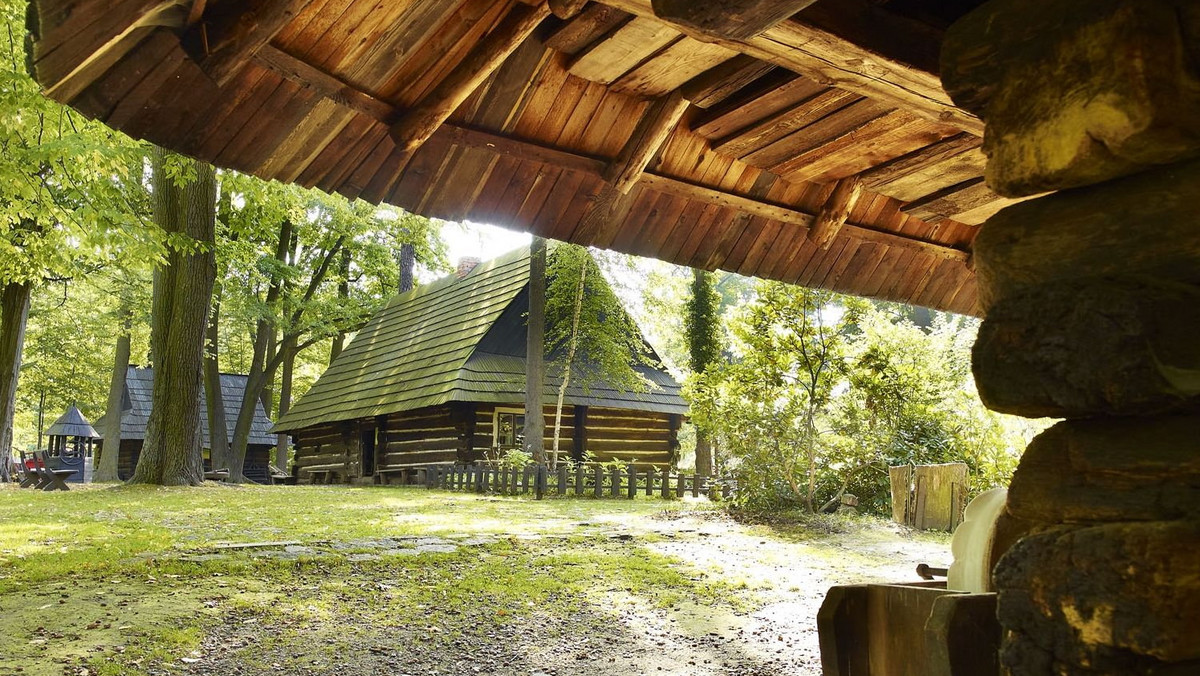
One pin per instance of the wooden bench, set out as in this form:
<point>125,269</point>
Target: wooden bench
<point>323,474</point>
<point>27,477</point>
<point>51,479</point>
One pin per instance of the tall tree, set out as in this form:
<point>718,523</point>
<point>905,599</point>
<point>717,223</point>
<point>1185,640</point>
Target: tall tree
<point>185,194</point>
<point>65,187</point>
<point>589,335</point>
<point>535,345</point>
<point>108,466</point>
<point>702,324</point>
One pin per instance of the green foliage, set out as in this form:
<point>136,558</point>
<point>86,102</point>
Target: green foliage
<point>609,344</point>
<point>702,322</point>
<point>826,392</point>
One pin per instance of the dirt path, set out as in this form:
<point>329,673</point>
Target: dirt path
<point>769,627</point>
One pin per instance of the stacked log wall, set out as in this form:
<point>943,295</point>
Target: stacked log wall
<point>425,436</point>
<point>331,447</point>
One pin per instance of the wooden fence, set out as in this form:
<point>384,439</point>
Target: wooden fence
<point>929,497</point>
<point>595,480</point>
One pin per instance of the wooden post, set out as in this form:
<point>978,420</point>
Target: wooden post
<point>417,125</point>
<point>598,476</point>
<point>665,491</point>
<point>525,476</point>
<point>541,481</point>
<point>579,478</point>
<point>562,478</point>
<point>650,482</point>
<point>615,486</point>
<point>836,210</point>
<point>632,472</point>
<point>679,486</point>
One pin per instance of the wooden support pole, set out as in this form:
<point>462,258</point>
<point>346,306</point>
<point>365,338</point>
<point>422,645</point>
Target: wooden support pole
<point>729,19</point>
<point>417,125</point>
<point>836,210</point>
<point>652,131</point>
<point>224,40</point>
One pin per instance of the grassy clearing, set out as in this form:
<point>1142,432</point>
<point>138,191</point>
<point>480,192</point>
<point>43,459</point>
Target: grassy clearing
<point>106,579</point>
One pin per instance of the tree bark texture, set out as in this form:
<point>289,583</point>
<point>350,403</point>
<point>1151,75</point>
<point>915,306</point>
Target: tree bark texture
<point>535,341</point>
<point>258,378</point>
<point>218,433</point>
<point>14,313</point>
<point>182,293</point>
<point>285,400</point>
<point>408,262</point>
<point>704,455</point>
<point>339,341</point>
<point>108,464</point>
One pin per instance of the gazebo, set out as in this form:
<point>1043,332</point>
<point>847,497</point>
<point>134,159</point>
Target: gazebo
<point>70,445</point>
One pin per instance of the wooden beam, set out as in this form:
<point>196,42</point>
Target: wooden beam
<point>836,210</point>
<point>729,19</point>
<point>417,125</point>
<point>835,61</point>
<point>717,84</point>
<point>325,84</point>
<point>609,200</point>
<point>652,131</point>
<point>565,9</point>
<point>226,38</point>
<point>721,198</point>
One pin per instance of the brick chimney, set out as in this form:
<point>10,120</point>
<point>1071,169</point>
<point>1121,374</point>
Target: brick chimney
<point>465,266</point>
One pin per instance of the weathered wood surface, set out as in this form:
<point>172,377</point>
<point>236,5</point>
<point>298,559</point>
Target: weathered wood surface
<point>528,145</point>
<point>1107,116</point>
<point>929,497</point>
<point>1092,346</point>
<point>732,19</point>
<point>1097,231</point>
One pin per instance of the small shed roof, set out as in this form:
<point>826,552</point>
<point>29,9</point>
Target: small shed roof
<point>452,340</point>
<point>72,424</point>
<point>135,407</point>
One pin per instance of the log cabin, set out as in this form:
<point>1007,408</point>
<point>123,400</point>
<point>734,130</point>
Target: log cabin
<point>135,414</point>
<point>1032,162</point>
<point>438,377</point>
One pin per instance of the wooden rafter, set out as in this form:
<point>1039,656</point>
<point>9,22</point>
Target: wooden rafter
<point>835,61</point>
<point>418,124</point>
<point>565,9</point>
<point>652,131</point>
<point>836,210</point>
<point>226,38</point>
<point>610,200</point>
<point>730,19</point>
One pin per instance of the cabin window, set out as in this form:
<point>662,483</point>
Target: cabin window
<point>508,428</point>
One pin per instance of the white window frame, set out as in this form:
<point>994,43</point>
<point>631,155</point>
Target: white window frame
<point>496,422</point>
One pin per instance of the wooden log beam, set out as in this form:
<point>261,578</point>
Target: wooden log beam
<point>835,61</point>
<point>566,9</point>
<point>652,131</point>
<point>609,201</point>
<point>227,37</point>
<point>417,125</point>
<point>730,19</point>
<point>836,210</point>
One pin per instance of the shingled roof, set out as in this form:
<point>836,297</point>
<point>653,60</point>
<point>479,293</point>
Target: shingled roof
<point>135,408</point>
<point>72,424</point>
<point>452,340</point>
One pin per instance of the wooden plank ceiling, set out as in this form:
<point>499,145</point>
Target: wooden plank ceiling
<point>818,150</point>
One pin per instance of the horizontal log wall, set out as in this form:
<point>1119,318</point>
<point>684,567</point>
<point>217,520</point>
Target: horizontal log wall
<point>485,416</point>
<point>640,437</point>
<point>330,450</point>
<point>417,438</point>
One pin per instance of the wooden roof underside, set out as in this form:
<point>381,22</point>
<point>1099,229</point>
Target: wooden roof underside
<point>613,128</point>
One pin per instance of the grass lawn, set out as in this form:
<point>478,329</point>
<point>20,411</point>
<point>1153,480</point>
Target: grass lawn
<point>329,579</point>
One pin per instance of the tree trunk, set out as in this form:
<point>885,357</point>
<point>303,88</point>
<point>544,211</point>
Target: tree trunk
<point>218,432</point>
<point>285,400</point>
<point>182,293</point>
<point>535,342</point>
<point>408,261</point>
<point>704,454</point>
<point>339,341</point>
<point>570,361</point>
<point>14,313</point>
<point>258,378</point>
<point>108,464</point>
